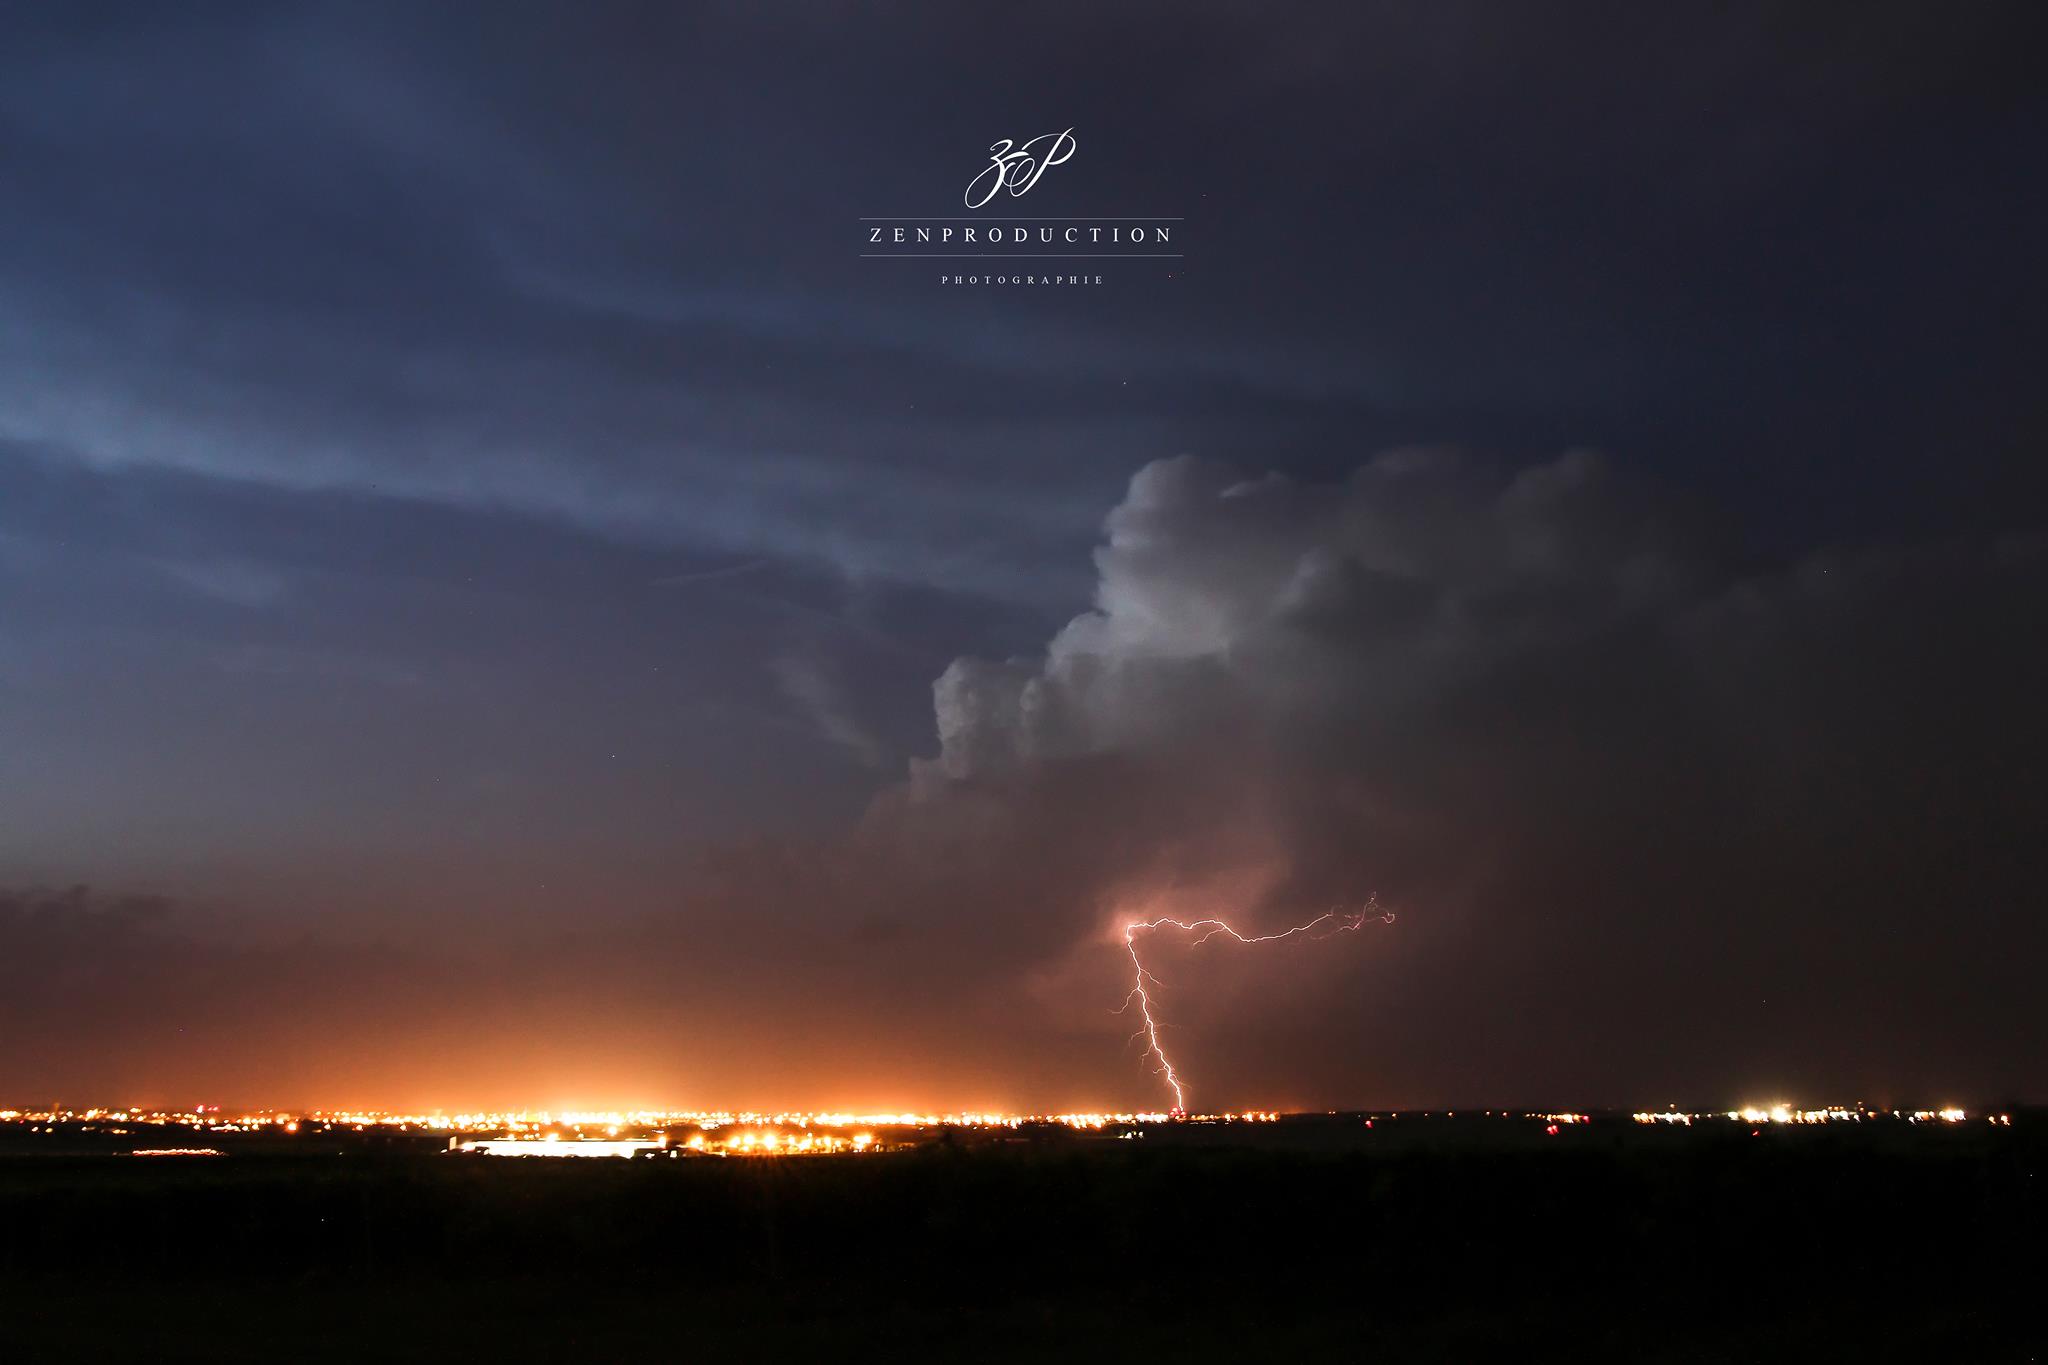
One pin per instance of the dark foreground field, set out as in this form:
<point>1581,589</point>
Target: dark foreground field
<point>1594,1246</point>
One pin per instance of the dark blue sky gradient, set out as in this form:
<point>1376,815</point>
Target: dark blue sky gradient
<point>451,454</point>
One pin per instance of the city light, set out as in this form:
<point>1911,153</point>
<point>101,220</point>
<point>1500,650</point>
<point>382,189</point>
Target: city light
<point>660,1134</point>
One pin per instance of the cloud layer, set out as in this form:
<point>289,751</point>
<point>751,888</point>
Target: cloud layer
<point>1657,829</point>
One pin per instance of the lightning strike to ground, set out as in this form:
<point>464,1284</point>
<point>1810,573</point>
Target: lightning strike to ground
<point>1322,926</point>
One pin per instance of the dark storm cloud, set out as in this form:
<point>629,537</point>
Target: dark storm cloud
<point>1650,818</point>
<point>1654,828</point>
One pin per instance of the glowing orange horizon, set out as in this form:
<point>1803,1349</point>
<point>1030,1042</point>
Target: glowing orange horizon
<point>771,1129</point>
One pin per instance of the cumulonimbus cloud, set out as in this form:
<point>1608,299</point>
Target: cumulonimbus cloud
<point>1614,780</point>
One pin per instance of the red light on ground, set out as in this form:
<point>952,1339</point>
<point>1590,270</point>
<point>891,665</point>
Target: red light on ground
<point>1551,1129</point>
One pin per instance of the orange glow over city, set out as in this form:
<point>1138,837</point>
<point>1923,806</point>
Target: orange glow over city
<point>679,1134</point>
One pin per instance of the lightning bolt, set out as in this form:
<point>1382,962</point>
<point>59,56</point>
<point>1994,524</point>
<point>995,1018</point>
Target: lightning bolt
<point>1322,926</point>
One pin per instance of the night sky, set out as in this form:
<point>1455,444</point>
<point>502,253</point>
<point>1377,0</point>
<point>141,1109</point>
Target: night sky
<point>500,603</point>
